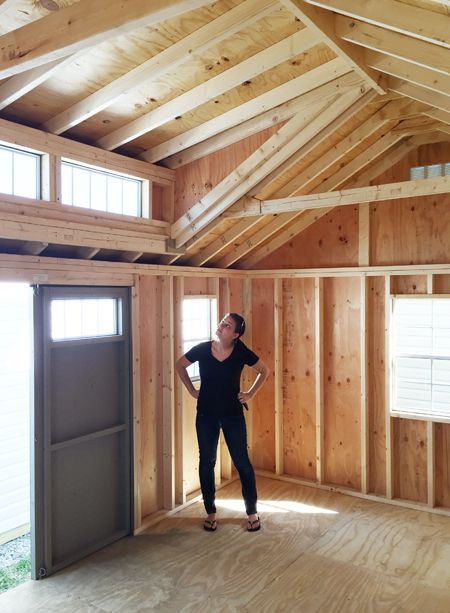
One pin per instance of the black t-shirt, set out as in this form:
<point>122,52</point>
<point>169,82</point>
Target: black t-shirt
<point>220,381</point>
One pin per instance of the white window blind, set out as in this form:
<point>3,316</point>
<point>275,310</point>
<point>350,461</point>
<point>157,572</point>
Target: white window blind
<point>421,357</point>
<point>199,325</point>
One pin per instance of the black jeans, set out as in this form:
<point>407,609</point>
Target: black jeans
<point>235,433</point>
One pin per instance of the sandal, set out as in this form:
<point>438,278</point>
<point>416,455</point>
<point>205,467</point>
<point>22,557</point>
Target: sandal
<point>253,525</point>
<point>210,525</point>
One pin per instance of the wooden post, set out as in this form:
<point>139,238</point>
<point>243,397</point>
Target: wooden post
<point>168,394</point>
<point>247,306</point>
<point>363,386</point>
<point>364,233</point>
<point>431,472</point>
<point>278,366</point>
<point>180,484</point>
<point>136,379</point>
<point>387,390</point>
<point>51,177</point>
<point>318,324</point>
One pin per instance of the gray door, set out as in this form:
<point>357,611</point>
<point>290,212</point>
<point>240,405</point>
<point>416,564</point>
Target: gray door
<point>81,498</point>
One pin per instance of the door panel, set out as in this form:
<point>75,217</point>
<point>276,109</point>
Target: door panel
<point>83,447</point>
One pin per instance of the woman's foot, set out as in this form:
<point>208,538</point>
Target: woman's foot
<point>210,523</point>
<point>253,523</point>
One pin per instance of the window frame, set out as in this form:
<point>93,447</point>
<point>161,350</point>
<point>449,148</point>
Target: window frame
<point>98,170</point>
<point>391,374</point>
<point>212,326</point>
<point>14,149</point>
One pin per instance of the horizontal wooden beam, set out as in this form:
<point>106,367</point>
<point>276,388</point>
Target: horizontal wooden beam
<point>270,57</point>
<point>79,26</point>
<point>393,15</point>
<point>42,142</point>
<point>374,193</point>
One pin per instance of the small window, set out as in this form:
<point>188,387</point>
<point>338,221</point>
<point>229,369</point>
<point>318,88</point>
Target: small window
<point>429,172</point>
<point>19,172</point>
<point>199,325</point>
<point>421,357</point>
<point>91,188</point>
<point>84,318</point>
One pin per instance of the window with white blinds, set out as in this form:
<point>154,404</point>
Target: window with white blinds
<point>430,171</point>
<point>421,357</point>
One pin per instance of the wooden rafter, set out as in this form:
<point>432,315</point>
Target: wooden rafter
<point>417,75</point>
<point>322,22</point>
<point>391,43</point>
<point>393,15</point>
<point>286,49</point>
<point>81,25</point>
<point>294,134</point>
<point>238,117</point>
<point>440,101</point>
<point>285,226</point>
<point>233,234</point>
<point>24,82</point>
<point>208,35</point>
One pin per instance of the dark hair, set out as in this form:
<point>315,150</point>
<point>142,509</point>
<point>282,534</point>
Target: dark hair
<point>239,323</point>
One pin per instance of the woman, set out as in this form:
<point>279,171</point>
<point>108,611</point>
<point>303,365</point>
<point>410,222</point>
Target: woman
<point>219,405</point>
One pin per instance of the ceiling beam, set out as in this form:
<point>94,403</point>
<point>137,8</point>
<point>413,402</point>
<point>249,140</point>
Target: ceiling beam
<point>20,84</point>
<point>279,147</point>
<point>439,101</point>
<point>417,75</point>
<point>81,25</point>
<point>270,57</point>
<point>391,43</point>
<point>274,106</point>
<point>352,196</point>
<point>403,18</point>
<point>386,118</point>
<point>322,22</point>
<point>5,5</point>
<point>234,233</point>
<point>164,62</point>
<point>438,114</point>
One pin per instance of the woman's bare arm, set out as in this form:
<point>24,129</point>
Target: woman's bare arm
<point>181,367</point>
<point>263,372</point>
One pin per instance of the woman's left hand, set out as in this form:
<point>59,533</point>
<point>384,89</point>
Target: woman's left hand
<point>244,397</point>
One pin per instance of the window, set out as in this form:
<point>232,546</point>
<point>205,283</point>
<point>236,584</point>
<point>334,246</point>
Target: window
<point>421,357</point>
<point>199,325</point>
<point>429,172</point>
<point>19,172</point>
<point>91,188</point>
<point>84,318</point>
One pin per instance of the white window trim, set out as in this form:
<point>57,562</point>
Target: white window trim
<point>390,374</point>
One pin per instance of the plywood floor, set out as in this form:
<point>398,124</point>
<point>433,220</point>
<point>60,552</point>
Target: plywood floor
<point>317,551</point>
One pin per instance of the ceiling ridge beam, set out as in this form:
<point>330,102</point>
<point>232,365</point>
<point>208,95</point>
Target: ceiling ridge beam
<point>284,100</point>
<point>322,22</point>
<point>402,18</point>
<point>272,56</point>
<point>191,45</point>
<point>80,25</point>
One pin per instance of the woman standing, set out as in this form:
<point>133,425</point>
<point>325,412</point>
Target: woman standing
<point>219,406</point>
